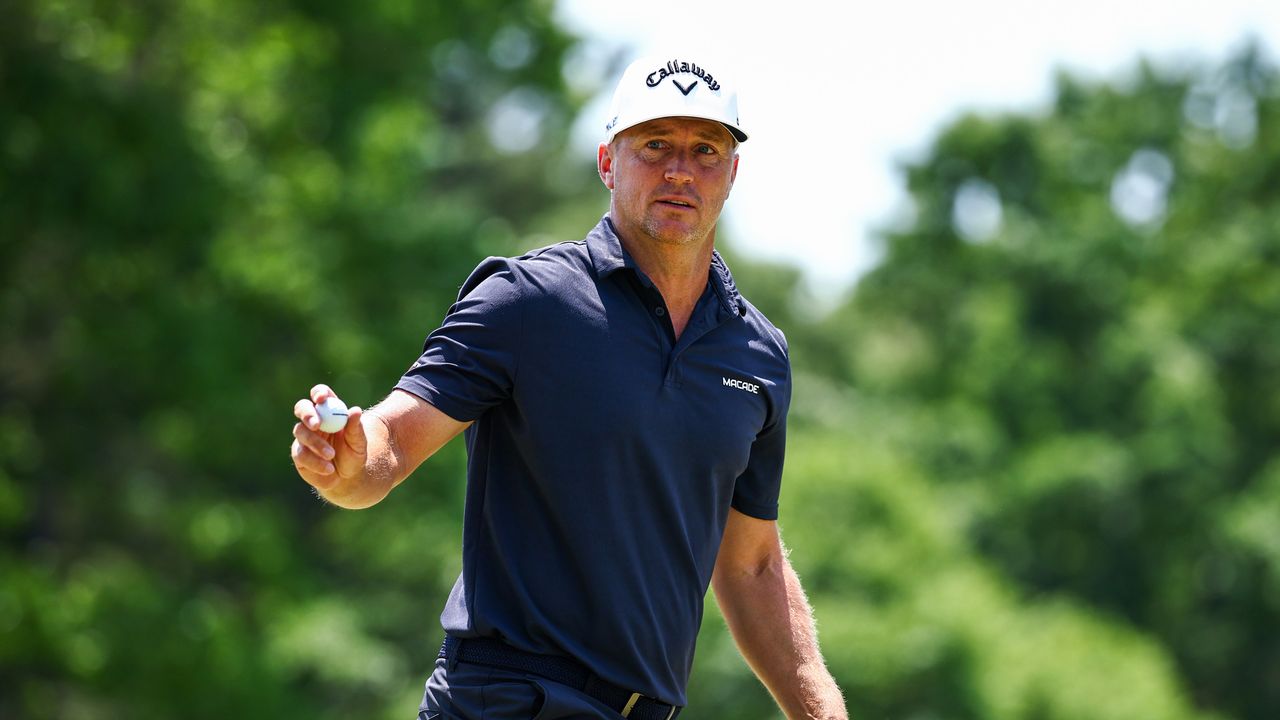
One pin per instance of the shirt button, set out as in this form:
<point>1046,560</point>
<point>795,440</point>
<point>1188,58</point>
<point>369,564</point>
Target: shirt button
<point>659,311</point>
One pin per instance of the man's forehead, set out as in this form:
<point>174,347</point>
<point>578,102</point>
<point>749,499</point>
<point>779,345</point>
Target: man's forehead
<point>707,129</point>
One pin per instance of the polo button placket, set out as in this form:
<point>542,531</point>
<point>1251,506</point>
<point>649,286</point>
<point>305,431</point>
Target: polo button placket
<point>701,324</point>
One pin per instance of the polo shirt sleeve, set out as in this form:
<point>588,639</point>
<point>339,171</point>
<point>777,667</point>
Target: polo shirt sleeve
<point>468,365</point>
<point>756,491</point>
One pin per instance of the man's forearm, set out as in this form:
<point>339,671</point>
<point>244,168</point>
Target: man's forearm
<point>772,623</point>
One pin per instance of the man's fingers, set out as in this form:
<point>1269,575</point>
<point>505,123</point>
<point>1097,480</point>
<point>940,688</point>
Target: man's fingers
<point>323,459</point>
<point>309,462</point>
<point>313,441</point>
<point>305,411</point>
<point>320,392</point>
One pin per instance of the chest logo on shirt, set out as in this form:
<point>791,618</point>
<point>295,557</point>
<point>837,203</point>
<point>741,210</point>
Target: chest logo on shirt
<point>743,385</point>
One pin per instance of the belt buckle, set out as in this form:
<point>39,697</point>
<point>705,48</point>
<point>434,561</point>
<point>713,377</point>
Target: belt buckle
<point>635,698</point>
<point>631,703</point>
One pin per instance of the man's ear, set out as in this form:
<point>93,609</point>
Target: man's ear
<point>604,165</point>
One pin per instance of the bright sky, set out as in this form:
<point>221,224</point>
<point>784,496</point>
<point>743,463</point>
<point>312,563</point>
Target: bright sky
<point>835,95</point>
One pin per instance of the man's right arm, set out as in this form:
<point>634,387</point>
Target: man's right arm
<point>357,466</point>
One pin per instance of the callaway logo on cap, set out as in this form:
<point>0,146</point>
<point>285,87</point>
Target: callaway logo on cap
<point>654,88</point>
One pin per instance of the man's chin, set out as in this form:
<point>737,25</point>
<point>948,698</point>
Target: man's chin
<point>674,232</point>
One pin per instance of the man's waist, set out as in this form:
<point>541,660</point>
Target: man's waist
<point>564,670</point>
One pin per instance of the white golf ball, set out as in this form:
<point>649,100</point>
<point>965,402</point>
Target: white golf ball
<point>333,415</point>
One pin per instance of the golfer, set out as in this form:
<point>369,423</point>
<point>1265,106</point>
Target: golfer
<point>625,413</point>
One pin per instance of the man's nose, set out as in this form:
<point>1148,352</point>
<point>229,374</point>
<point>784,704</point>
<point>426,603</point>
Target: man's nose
<point>678,169</point>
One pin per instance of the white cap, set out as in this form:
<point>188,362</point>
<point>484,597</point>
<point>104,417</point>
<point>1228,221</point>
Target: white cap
<point>654,87</point>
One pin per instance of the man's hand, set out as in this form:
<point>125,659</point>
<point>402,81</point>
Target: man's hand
<point>357,467</point>
<point>328,460</point>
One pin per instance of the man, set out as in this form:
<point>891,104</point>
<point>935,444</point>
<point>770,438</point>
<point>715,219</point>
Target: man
<point>625,414</point>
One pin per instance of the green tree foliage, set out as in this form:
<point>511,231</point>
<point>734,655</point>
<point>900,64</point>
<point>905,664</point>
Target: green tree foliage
<point>1074,345</point>
<point>204,208</point>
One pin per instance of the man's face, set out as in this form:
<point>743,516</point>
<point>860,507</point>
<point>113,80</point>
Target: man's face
<point>669,178</point>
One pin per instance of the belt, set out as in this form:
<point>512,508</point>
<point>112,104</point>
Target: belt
<point>495,653</point>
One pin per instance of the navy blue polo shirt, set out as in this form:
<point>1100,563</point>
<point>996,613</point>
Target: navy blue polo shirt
<point>605,455</point>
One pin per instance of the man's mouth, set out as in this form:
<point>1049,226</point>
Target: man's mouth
<point>676,202</point>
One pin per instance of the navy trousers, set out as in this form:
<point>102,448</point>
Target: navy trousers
<point>465,691</point>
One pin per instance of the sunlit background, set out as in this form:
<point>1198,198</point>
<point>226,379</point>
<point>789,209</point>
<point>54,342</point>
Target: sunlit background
<point>838,95</point>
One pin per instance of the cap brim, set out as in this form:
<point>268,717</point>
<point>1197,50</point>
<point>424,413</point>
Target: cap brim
<point>737,133</point>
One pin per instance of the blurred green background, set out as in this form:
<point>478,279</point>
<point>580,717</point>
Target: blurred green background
<point>1033,470</point>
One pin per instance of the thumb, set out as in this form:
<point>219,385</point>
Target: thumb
<point>353,434</point>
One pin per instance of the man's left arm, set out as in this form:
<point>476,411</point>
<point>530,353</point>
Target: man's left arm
<point>771,621</point>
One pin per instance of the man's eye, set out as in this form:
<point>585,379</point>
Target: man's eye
<point>706,150</point>
<point>654,144</point>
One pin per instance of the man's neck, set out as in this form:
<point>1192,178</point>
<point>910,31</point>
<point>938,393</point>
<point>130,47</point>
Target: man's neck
<point>678,270</point>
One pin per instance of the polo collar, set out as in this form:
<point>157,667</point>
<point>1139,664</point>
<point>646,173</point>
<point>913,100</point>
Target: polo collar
<point>608,256</point>
<point>605,248</point>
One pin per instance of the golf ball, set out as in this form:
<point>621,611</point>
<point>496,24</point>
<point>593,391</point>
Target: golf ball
<point>333,415</point>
